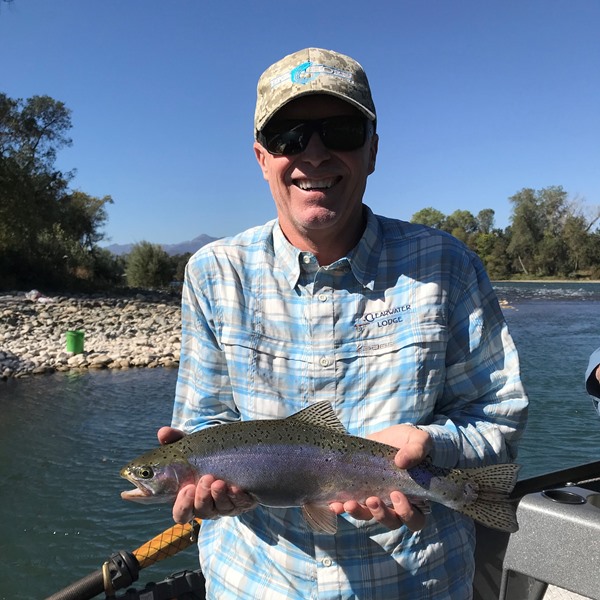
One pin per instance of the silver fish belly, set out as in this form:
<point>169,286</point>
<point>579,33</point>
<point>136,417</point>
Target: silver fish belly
<point>309,460</point>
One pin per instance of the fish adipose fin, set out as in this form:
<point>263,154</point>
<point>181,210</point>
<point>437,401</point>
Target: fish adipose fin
<point>492,507</point>
<point>320,518</point>
<point>320,414</point>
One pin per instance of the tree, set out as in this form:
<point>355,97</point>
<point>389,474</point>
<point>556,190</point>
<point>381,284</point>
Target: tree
<point>526,229</point>
<point>148,266</point>
<point>491,248</point>
<point>431,217</point>
<point>83,216</point>
<point>178,264</point>
<point>485,220</point>
<point>47,232</point>
<point>549,232</point>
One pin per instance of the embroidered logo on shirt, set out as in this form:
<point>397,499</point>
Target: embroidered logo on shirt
<point>383,318</point>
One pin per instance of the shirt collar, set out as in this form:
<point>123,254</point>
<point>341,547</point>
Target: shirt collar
<point>363,258</point>
<point>287,257</point>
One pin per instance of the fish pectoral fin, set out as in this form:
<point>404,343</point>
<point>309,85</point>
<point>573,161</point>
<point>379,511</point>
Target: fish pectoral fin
<point>320,518</point>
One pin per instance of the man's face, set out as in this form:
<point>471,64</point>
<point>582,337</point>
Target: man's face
<point>318,192</point>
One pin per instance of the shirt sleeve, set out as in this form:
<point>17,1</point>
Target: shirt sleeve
<point>482,412</point>
<point>203,395</point>
<point>591,383</point>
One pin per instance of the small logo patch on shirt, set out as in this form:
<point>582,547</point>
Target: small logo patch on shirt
<point>383,318</point>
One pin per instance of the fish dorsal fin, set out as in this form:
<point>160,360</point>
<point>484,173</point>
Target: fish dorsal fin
<point>320,414</point>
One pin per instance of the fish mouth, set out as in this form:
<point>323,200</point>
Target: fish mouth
<point>146,497</point>
<point>136,495</point>
<point>142,494</point>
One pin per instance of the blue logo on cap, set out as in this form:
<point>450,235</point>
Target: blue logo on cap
<point>308,72</point>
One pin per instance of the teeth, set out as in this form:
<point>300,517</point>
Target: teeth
<point>322,184</point>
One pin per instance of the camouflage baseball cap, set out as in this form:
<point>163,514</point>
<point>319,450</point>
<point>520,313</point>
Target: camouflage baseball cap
<point>312,71</point>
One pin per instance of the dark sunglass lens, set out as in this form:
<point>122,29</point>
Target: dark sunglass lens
<point>284,137</point>
<point>344,133</point>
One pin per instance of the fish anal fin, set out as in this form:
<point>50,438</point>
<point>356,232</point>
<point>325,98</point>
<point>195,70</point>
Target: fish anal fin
<point>320,414</point>
<point>421,503</point>
<point>320,518</point>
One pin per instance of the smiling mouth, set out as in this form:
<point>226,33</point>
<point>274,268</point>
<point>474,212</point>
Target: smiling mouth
<point>316,185</point>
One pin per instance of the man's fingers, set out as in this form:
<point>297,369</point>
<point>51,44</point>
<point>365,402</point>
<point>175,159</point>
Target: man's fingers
<point>409,456</point>
<point>406,512</point>
<point>401,512</point>
<point>168,435</point>
<point>183,508</point>
<point>358,511</point>
<point>223,503</point>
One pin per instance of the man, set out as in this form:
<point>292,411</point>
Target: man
<point>392,323</point>
<point>592,379</point>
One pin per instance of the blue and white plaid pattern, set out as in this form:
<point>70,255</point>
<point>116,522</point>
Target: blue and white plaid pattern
<point>406,328</point>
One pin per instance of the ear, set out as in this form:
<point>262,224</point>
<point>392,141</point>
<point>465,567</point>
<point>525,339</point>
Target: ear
<point>373,152</point>
<point>261,156</point>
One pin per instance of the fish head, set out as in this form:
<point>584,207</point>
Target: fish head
<point>157,477</point>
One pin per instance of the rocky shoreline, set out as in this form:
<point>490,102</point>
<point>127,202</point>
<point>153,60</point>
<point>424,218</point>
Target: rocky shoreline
<point>141,330</point>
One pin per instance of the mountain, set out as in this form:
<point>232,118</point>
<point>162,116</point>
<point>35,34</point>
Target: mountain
<point>170,249</point>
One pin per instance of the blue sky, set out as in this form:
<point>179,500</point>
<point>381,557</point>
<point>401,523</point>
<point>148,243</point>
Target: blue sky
<point>476,100</point>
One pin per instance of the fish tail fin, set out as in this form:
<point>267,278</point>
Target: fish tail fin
<point>492,506</point>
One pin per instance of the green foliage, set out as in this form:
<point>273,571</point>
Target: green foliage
<point>48,233</point>
<point>549,235</point>
<point>430,217</point>
<point>148,266</point>
<point>178,264</point>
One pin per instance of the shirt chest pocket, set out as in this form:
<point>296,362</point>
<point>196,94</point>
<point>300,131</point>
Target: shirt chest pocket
<point>266,372</point>
<point>400,366</point>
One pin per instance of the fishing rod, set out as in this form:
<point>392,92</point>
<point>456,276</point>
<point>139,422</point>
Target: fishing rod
<point>122,568</point>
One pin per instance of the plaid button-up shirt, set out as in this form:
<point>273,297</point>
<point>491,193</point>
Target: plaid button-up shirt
<point>406,328</point>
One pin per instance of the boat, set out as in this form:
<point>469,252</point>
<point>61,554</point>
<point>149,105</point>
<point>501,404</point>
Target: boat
<point>554,555</point>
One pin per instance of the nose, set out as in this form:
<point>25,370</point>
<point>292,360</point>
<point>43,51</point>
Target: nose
<point>315,152</point>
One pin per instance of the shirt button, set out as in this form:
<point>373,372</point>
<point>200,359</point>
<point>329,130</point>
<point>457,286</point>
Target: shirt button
<point>327,562</point>
<point>323,297</point>
<point>324,361</point>
<point>306,259</point>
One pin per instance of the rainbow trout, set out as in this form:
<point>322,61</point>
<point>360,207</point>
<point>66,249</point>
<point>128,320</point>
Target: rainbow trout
<point>309,460</point>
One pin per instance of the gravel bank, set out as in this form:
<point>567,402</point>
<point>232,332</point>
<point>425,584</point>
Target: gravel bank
<point>119,332</point>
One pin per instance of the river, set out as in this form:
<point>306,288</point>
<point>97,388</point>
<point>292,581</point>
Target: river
<point>64,437</point>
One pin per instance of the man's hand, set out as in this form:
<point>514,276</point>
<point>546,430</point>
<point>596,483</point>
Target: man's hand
<point>414,445</point>
<point>210,498</point>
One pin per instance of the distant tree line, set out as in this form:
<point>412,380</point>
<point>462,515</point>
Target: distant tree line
<point>549,236</point>
<point>49,233</point>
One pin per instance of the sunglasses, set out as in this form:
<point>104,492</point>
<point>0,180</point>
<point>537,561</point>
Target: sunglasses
<point>291,136</point>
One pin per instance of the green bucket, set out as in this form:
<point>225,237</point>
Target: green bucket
<point>75,341</point>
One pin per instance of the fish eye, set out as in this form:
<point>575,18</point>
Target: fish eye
<point>145,472</point>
